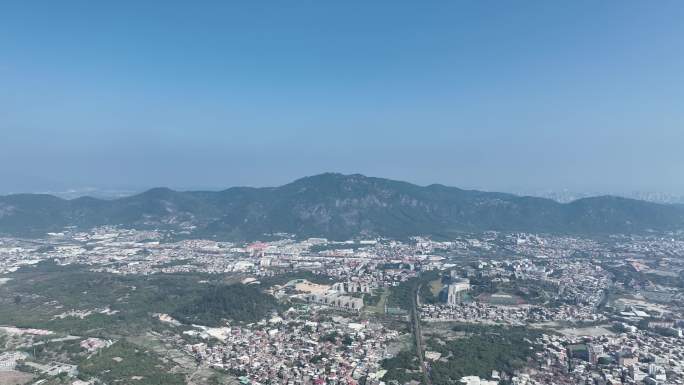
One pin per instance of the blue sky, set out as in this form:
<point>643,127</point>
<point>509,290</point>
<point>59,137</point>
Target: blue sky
<point>498,95</point>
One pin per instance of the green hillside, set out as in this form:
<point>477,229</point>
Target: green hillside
<point>337,207</point>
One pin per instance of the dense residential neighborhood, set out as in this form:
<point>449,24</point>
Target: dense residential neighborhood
<point>601,311</point>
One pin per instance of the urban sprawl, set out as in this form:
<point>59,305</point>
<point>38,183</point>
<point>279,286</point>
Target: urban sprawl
<point>605,310</point>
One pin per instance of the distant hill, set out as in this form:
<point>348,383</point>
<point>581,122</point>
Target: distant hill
<point>337,206</point>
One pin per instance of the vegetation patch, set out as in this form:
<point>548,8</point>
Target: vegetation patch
<point>484,349</point>
<point>125,362</point>
<point>38,294</point>
<point>403,367</point>
<point>238,302</point>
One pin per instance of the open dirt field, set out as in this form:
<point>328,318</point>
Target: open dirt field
<point>14,378</point>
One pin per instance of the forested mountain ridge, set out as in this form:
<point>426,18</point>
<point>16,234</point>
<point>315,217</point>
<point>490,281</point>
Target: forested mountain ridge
<point>337,206</point>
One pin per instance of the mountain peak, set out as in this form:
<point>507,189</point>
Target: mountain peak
<point>330,176</point>
<point>338,206</point>
<point>158,192</point>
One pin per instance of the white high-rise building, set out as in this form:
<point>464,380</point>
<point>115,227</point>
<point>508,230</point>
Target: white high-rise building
<point>456,290</point>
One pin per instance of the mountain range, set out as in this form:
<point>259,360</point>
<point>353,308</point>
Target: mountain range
<point>337,206</point>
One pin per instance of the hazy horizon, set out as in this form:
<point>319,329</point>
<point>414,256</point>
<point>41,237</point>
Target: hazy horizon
<point>562,196</point>
<point>521,97</point>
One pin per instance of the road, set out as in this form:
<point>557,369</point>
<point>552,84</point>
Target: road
<point>418,335</point>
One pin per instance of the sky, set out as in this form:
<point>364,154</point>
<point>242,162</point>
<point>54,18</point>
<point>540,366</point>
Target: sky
<point>495,95</point>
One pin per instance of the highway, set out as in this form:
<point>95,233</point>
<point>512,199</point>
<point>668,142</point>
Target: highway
<point>418,335</point>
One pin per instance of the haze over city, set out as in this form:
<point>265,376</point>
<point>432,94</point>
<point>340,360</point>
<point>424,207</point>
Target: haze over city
<point>461,192</point>
<point>520,96</point>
